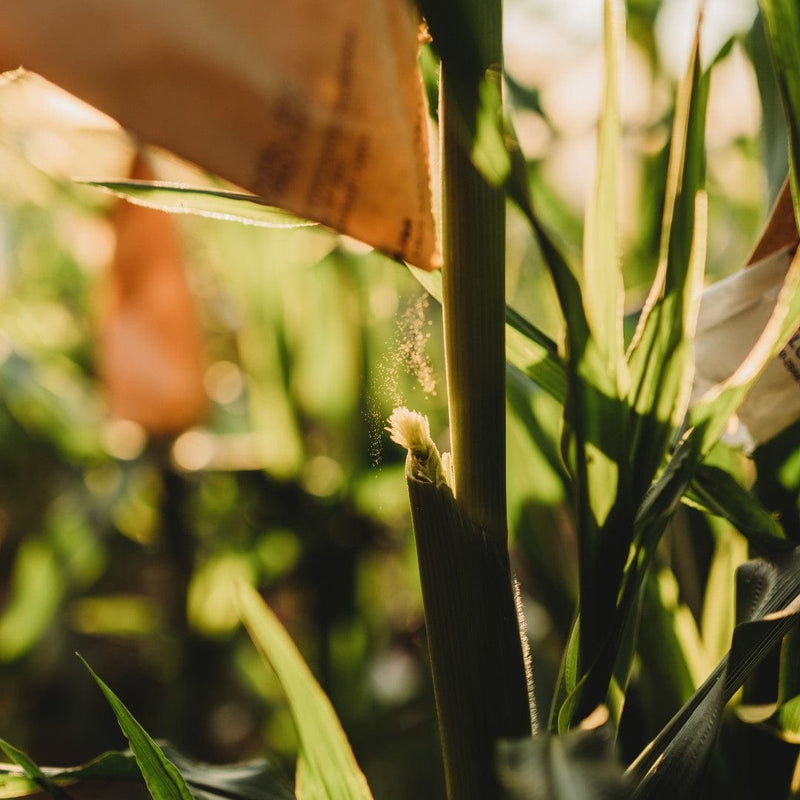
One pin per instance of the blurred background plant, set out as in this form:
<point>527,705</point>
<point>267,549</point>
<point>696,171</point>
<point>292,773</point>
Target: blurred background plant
<point>115,541</point>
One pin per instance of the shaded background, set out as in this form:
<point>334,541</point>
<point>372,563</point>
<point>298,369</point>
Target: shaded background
<point>120,544</point>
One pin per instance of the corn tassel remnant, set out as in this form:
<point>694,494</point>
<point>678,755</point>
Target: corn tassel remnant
<point>411,430</point>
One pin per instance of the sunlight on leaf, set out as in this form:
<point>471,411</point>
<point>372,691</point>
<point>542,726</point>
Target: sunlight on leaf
<point>603,289</point>
<point>215,204</point>
<point>32,771</point>
<point>327,767</point>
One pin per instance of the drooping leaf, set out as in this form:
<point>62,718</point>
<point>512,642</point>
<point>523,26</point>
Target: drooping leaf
<point>161,776</point>
<point>212,203</point>
<point>254,780</point>
<point>718,493</point>
<point>117,774</point>
<point>768,607</point>
<point>326,765</point>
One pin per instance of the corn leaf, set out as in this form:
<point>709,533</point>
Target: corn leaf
<point>32,771</point>
<point>768,607</point>
<point>596,416</point>
<point>113,768</point>
<point>212,203</point>
<point>326,765</point>
<point>710,414</point>
<point>117,774</point>
<point>15,784</point>
<point>254,780</point>
<point>161,776</point>
<point>603,288</point>
<point>660,356</point>
<point>715,491</point>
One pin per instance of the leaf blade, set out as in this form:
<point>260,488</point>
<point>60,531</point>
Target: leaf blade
<point>327,767</point>
<point>161,776</point>
<point>178,198</point>
<point>602,273</point>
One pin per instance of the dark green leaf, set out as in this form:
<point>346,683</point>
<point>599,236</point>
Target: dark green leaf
<point>117,772</point>
<point>256,780</point>
<point>768,607</point>
<point>162,778</point>
<point>718,493</point>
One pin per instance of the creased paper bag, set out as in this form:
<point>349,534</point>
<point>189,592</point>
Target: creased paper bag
<point>317,107</point>
<point>149,346</point>
<point>733,313</point>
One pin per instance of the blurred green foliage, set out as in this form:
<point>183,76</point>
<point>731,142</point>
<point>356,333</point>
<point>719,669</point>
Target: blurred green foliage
<point>117,547</point>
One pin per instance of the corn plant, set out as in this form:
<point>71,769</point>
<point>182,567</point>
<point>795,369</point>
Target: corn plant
<point>635,450</point>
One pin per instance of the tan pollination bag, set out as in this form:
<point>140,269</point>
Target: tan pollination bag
<point>733,313</point>
<point>317,107</point>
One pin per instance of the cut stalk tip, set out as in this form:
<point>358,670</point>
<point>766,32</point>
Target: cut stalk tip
<point>411,430</point>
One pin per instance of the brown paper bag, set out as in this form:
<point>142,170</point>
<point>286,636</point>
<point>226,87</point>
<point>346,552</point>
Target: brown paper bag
<point>315,106</point>
<point>149,346</point>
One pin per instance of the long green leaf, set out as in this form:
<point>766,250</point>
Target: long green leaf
<point>212,203</point>
<point>596,416</point>
<point>161,776</point>
<point>595,442</point>
<point>660,356</point>
<point>327,767</point>
<point>603,288</point>
<point>711,413</point>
